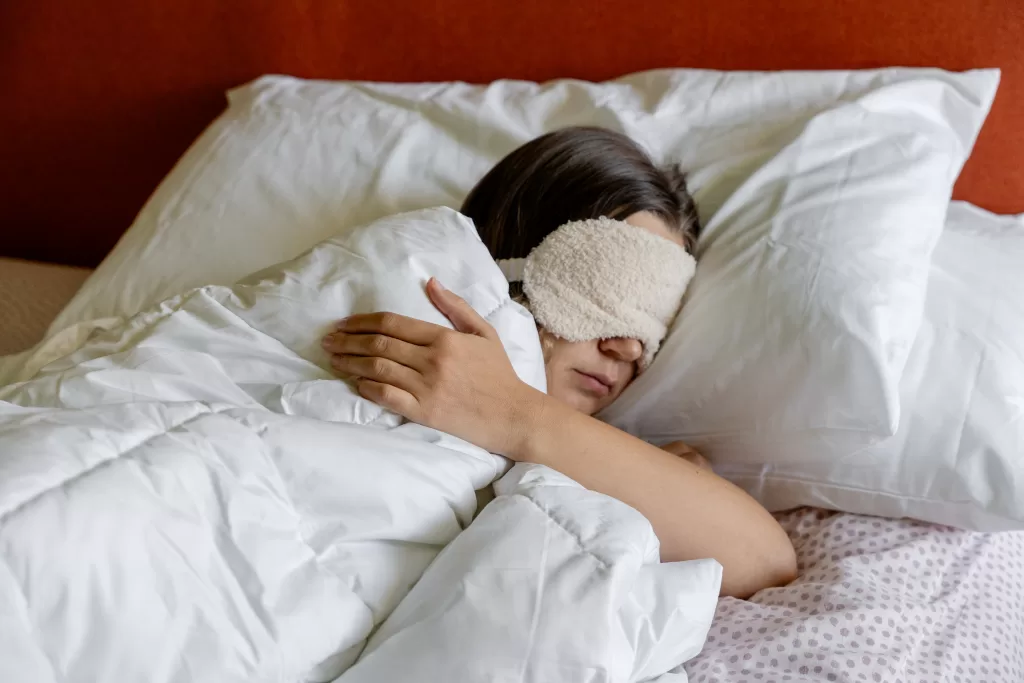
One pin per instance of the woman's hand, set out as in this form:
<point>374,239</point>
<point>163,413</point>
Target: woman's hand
<point>686,452</point>
<point>458,381</point>
<point>462,382</point>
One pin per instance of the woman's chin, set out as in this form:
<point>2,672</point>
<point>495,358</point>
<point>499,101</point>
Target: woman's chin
<point>585,402</point>
<point>579,399</point>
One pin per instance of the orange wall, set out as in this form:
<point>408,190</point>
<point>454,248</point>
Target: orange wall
<point>100,98</point>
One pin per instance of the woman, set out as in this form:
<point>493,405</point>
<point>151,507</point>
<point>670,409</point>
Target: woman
<point>461,381</point>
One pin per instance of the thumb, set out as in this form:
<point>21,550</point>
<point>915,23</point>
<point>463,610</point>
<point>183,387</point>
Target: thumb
<point>455,308</point>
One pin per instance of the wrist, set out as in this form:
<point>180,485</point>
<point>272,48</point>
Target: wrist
<point>527,415</point>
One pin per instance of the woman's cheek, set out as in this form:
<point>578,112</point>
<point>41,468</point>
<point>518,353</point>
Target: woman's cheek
<point>561,389</point>
<point>552,381</point>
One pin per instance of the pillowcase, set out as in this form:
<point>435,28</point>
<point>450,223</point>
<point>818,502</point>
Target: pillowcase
<point>823,195</point>
<point>958,457</point>
<point>293,162</point>
<point>811,279</point>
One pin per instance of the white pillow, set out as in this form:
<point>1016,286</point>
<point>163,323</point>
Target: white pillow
<point>958,457</point>
<point>823,194</point>
<point>322,157</point>
<point>811,280</point>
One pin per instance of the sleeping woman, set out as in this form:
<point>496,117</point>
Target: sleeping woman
<point>595,241</point>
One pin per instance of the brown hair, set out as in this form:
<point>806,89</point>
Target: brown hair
<point>574,174</point>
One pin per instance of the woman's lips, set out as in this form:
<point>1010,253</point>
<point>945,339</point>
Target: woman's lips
<point>595,384</point>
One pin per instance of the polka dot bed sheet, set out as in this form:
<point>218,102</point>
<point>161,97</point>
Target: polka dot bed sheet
<point>877,600</point>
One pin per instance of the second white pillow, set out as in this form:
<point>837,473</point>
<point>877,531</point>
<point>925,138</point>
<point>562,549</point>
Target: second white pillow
<point>958,456</point>
<point>811,282</point>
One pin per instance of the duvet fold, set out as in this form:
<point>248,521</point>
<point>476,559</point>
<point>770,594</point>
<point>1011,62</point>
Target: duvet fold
<point>190,495</point>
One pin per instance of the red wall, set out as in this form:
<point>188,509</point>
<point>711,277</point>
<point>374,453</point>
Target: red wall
<point>100,98</point>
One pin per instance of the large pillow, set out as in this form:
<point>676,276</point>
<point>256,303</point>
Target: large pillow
<point>823,193</point>
<point>323,157</point>
<point>811,279</point>
<point>958,457</point>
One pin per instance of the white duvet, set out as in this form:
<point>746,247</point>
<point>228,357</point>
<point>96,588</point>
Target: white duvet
<point>191,496</point>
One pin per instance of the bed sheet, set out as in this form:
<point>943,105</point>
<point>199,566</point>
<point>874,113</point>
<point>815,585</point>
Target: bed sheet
<point>878,600</point>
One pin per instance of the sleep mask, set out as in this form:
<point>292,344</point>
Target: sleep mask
<point>604,279</point>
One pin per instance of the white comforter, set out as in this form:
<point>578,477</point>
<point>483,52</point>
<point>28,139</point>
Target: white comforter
<point>191,496</point>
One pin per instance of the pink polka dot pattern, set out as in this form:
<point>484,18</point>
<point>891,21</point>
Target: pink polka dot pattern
<point>877,600</point>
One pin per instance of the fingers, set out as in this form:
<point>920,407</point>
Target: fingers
<point>461,314</point>
<point>419,332</point>
<point>382,370</point>
<point>388,396</point>
<point>677,448</point>
<point>697,459</point>
<point>686,452</point>
<point>409,330</point>
<point>378,345</point>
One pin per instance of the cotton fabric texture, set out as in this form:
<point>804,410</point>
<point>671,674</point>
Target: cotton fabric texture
<point>273,525</point>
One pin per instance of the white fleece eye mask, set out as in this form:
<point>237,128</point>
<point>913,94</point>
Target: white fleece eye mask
<point>604,279</point>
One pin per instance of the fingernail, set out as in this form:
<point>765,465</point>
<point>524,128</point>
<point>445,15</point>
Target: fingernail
<point>326,341</point>
<point>438,283</point>
<point>340,325</point>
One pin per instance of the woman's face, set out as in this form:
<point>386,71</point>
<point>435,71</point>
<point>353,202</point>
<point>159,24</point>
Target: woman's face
<point>590,375</point>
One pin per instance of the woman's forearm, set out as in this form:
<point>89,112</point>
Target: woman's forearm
<point>695,513</point>
<point>462,382</point>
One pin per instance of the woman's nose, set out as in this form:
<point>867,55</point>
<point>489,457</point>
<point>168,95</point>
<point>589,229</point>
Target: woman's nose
<point>628,350</point>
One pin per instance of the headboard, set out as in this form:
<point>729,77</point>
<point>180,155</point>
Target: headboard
<point>100,98</point>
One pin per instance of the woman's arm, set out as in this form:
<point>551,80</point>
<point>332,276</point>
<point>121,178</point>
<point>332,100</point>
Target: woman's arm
<point>461,382</point>
<point>694,512</point>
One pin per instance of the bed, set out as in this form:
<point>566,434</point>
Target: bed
<point>31,295</point>
<point>877,600</point>
<point>117,93</point>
